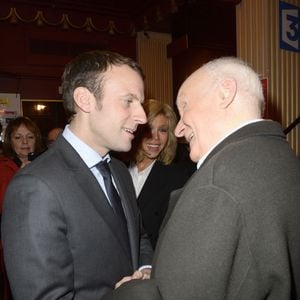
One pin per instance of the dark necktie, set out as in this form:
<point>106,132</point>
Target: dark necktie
<point>115,201</point>
<point>112,193</point>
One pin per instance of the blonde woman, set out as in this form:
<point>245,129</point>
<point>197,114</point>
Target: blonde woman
<point>152,169</point>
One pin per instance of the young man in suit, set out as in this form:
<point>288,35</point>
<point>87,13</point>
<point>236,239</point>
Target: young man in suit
<point>63,236</point>
<point>233,231</point>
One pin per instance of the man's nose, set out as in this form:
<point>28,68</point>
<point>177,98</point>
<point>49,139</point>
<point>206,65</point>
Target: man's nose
<point>179,129</point>
<point>140,115</point>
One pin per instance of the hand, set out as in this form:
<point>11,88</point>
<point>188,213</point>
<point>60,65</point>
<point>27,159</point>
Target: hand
<point>144,274</point>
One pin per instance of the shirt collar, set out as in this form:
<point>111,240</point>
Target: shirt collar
<point>88,155</point>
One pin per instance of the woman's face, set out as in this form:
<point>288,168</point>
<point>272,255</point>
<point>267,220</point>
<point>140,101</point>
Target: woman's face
<point>156,138</point>
<point>23,141</point>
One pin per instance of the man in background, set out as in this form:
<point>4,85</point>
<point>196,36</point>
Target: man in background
<point>64,237</point>
<point>52,135</point>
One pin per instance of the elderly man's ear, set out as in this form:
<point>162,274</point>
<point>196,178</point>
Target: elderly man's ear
<point>227,90</point>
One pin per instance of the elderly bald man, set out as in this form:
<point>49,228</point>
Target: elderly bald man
<point>233,231</point>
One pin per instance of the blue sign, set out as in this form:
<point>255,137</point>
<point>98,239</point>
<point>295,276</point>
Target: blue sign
<point>289,26</point>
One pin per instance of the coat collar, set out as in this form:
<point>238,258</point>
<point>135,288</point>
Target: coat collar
<point>262,128</point>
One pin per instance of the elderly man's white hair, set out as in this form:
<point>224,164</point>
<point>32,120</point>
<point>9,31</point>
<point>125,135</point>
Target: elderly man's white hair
<point>247,80</point>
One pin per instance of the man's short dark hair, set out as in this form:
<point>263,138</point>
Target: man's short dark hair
<point>86,70</point>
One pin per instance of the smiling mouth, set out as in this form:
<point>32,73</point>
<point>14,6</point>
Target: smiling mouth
<point>190,137</point>
<point>153,145</point>
<point>130,130</point>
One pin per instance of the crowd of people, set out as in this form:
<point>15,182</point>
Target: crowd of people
<point>112,209</point>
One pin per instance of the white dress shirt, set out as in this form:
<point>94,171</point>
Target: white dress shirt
<point>139,178</point>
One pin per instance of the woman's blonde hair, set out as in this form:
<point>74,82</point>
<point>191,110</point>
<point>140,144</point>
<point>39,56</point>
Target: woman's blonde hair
<point>153,108</point>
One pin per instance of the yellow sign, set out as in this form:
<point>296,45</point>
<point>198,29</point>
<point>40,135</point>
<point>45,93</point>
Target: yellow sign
<point>4,101</point>
<point>10,105</point>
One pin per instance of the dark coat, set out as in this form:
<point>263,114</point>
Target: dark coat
<point>233,232</point>
<point>154,197</point>
<point>61,238</point>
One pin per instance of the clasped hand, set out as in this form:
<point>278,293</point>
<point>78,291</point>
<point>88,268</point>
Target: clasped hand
<point>143,274</point>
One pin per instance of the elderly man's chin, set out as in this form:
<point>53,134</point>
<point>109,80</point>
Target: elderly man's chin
<point>194,156</point>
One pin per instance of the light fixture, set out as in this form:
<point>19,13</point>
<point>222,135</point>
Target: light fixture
<point>39,107</point>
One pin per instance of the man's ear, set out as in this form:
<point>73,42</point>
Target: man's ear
<point>228,89</point>
<point>83,98</point>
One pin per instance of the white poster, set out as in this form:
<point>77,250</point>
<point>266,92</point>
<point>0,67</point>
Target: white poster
<point>10,108</point>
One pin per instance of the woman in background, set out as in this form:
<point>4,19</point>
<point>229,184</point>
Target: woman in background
<point>22,140</point>
<point>151,167</point>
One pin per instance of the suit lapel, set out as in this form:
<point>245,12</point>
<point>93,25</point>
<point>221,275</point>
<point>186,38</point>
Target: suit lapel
<point>89,184</point>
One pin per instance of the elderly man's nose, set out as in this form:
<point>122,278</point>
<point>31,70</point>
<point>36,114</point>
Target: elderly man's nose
<point>179,129</point>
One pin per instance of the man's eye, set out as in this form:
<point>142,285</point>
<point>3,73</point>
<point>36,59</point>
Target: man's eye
<point>128,101</point>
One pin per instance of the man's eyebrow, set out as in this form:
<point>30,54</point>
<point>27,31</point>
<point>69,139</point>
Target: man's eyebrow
<point>135,97</point>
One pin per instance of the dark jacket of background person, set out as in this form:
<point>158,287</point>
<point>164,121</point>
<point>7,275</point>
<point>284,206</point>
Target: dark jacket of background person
<point>154,197</point>
<point>59,169</point>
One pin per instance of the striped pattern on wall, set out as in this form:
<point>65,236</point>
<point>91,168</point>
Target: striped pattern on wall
<point>152,56</point>
<point>258,44</point>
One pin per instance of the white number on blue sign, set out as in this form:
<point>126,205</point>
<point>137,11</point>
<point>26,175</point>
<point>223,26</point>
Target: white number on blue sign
<point>289,17</point>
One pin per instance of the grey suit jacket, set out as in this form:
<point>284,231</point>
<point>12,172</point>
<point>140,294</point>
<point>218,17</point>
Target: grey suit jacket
<point>61,238</point>
<point>233,232</point>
